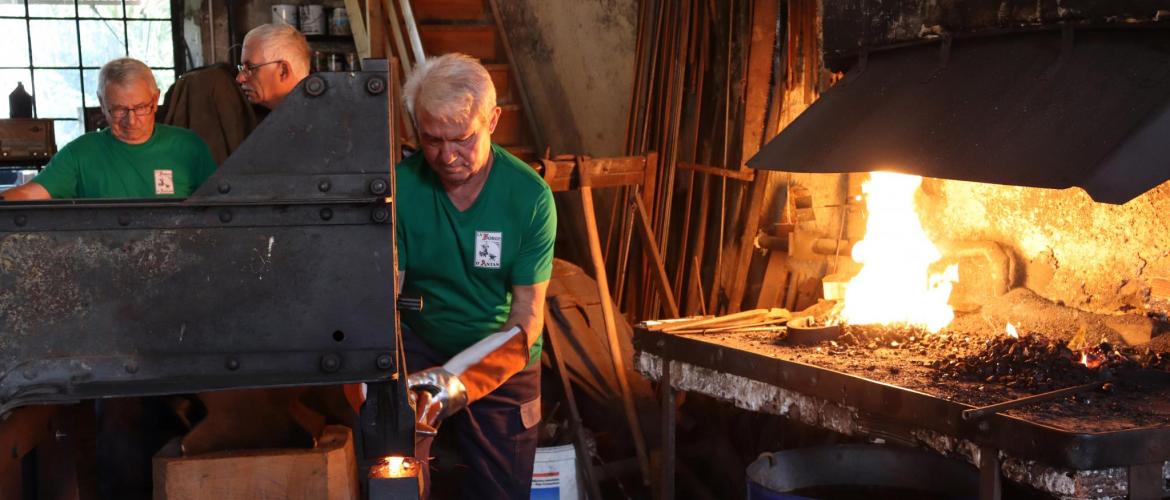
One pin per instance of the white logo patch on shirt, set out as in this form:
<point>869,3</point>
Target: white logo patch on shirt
<point>488,247</point>
<point>164,182</point>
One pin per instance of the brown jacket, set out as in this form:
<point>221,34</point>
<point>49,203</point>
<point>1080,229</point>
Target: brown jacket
<point>208,102</point>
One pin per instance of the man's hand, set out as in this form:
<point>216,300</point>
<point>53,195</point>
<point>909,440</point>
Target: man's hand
<point>437,394</point>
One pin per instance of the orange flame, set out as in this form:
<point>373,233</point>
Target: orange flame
<point>1091,362</point>
<point>895,284</point>
<point>393,467</point>
<point>1012,332</point>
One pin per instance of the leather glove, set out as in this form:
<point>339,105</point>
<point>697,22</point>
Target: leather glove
<point>444,394</point>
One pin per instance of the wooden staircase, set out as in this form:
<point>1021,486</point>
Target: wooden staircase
<point>468,26</point>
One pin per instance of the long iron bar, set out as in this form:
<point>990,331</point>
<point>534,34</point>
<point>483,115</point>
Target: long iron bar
<point>985,411</point>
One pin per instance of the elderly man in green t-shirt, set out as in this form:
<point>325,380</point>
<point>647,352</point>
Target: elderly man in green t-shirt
<point>133,158</point>
<point>475,230</point>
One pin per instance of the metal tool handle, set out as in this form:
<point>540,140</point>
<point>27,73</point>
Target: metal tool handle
<point>984,411</point>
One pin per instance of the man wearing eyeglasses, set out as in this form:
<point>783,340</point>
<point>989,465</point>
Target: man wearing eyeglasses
<point>133,158</point>
<point>275,59</point>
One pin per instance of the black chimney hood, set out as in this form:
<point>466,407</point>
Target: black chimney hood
<point>1052,108</point>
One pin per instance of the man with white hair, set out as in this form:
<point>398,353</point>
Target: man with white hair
<point>475,229</point>
<point>133,158</point>
<point>275,58</point>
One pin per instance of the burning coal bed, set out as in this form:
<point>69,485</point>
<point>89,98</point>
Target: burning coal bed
<point>972,363</point>
<point>1032,363</point>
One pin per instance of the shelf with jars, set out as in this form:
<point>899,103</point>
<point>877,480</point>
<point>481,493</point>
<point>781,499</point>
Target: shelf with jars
<point>327,29</point>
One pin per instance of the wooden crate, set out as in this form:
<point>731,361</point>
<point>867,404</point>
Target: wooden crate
<point>328,471</point>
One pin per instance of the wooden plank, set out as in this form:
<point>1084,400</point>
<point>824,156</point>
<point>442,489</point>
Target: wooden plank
<point>400,51</point>
<point>376,29</point>
<point>738,175</point>
<point>501,79</point>
<point>450,10</point>
<point>771,291</point>
<point>510,127</point>
<point>326,472</point>
<point>475,40</point>
<point>759,74</point>
<point>361,39</point>
<point>562,175</point>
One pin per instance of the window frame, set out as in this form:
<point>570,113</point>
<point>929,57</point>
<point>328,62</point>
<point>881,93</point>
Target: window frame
<point>178,45</point>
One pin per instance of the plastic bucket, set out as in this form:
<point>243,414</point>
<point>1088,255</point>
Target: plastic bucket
<point>860,471</point>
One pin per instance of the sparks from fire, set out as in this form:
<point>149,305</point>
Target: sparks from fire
<point>895,284</point>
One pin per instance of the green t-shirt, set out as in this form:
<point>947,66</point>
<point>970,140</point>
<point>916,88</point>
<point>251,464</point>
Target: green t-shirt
<point>464,264</point>
<point>171,164</point>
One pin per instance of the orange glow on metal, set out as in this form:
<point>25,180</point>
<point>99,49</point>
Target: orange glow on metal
<point>895,284</point>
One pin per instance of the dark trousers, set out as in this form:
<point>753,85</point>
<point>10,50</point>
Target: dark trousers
<point>497,434</point>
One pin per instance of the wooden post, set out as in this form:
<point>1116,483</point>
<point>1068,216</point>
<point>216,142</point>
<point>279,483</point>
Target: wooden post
<point>666,486</point>
<point>610,322</point>
<point>759,72</point>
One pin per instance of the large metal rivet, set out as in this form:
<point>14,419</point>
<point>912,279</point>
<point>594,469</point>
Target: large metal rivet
<point>378,186</point>
<point>29,374</point>
<point>326,213</point>
<point>123,219</point>
<point>315,86</point>
<point>224,187</point>
<point>131,366</point>
<point>232,363</point>
<point>375,85</point>
<point>21,220</point>
<point>385,362</point>
<point>225,216</point>
<point>330,363</point>
<point>380,215</point>
<point>324,186</point>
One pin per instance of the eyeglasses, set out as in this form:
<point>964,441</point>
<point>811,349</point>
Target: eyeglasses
<point>248,69</point>
<point>139,110</point>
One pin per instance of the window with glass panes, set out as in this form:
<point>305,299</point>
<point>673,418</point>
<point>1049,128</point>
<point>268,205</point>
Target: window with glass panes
<point>56,47</point>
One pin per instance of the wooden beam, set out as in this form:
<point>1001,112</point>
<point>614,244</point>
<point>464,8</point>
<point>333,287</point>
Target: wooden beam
<point>759,72</point>
<point>566,175</point>
<point>357,24</point>
<point>376,29</point>
<point>607,312</point>
<point>739,175</point>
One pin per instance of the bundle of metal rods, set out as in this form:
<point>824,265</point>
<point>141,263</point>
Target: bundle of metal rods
<point>687,105</point>
<point>714,80</point>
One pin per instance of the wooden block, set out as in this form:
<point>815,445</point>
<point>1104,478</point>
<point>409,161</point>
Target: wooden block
<point>328,471</point>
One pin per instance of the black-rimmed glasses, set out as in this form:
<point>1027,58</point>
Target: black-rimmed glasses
<point>248,69</point>
<point>140,110</point>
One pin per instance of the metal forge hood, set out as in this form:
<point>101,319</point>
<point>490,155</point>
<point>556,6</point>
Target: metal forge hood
<point>1051,109</point>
